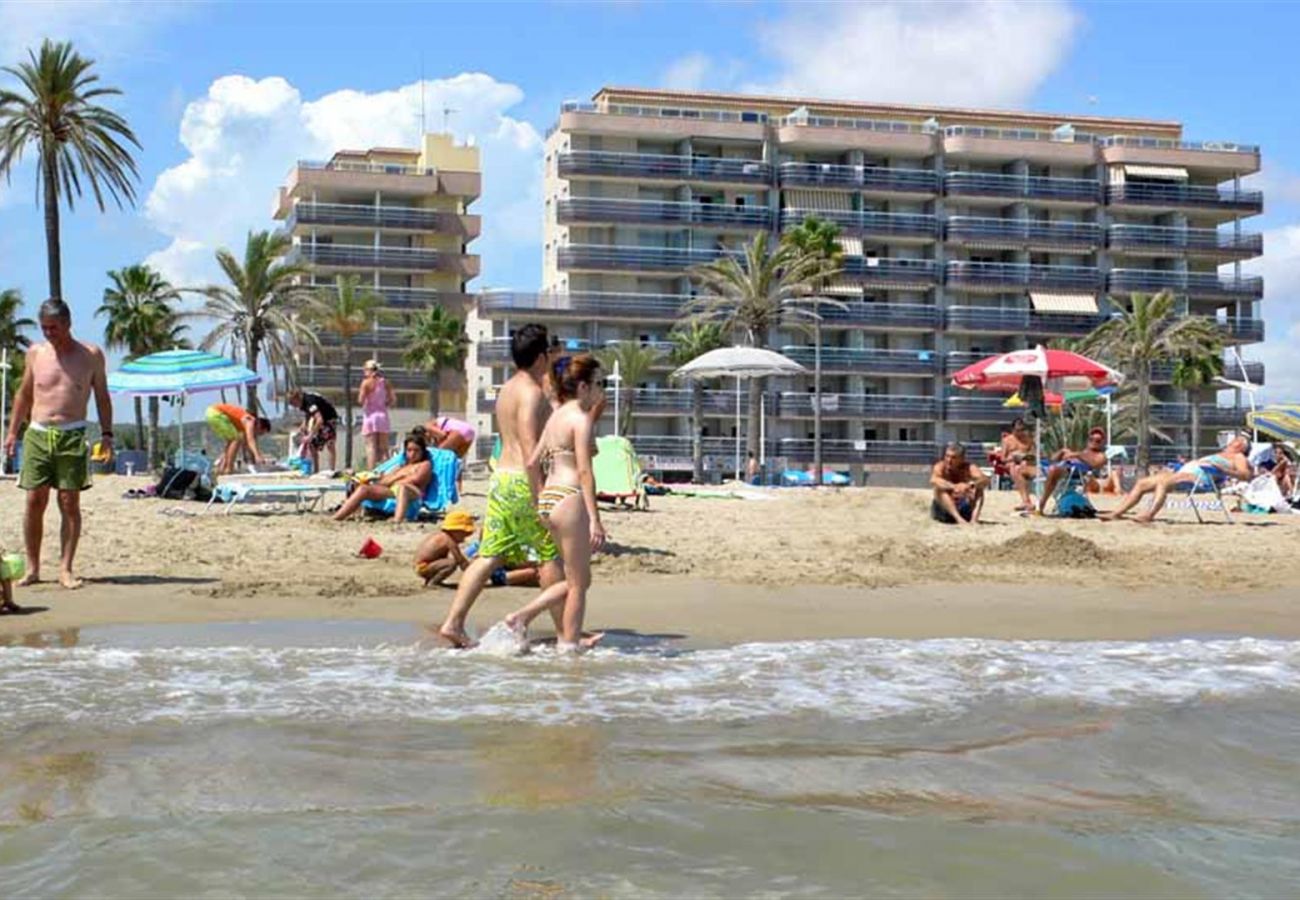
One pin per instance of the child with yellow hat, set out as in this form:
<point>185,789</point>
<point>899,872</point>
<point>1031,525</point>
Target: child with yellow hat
<point>440,553</point>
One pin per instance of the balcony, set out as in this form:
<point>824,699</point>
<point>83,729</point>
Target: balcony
<point>421,298</point>
<point>662,167</point>
<point>599,257</point>
<point>877,136</point>
<point>393,179</point>
<point>1211,415</point>
<point>995,320</point>
<point>1051,147</point>
<point>1207,285</point>
<point>583,306</point>
<point>1022,234</point>
<point>1177,195</point>
<point>587,210</point>
<point>881,316</point>
<point>866,179</point>
<point>387,338</point>
<point>1011,188</point>
<point>877,225</point>
<point>639,120</point>
<point>399,259</point>
<point>841,452</point>
<point>889,273</point>
<point>982,410</point>
<point>1152,240</point>
<point>1163,372</point>
<point>390,218</point>
<point>674,402</point>
<point>956,360</point>
<point>1000,277</point>
<point>1227,157</point>
<point>845,360</point>
<point>331,376</point>
<point>883,407</point>
<point>1242,331</point>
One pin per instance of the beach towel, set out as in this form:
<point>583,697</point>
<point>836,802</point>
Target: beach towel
<point>441,493</point>
<point>618,470</point>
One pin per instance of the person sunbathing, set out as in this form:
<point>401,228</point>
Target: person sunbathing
<point>959,487</point>
<point>1083,462</point>
<point>1018,451</point>
<point>1230,462</point>
<point>405,483</point>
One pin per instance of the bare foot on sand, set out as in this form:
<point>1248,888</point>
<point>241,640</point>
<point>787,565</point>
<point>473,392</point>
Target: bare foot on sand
<point>1109,517</point>
<point>70,582</point>
<point>32,577</point>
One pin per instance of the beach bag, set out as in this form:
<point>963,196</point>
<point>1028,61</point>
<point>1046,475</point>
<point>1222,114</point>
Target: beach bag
<point>176,484</point>
<point>1075,506</point>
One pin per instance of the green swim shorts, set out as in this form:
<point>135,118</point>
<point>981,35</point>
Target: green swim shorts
<point>221,425</point>
<point>57,459</point>
<point>512,530</point>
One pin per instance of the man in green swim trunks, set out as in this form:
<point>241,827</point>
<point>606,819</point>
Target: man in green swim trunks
<point>61,375</point>
<point>512,530</point>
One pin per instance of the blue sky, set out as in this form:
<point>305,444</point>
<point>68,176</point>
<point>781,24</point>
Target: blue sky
<point>225,96</point>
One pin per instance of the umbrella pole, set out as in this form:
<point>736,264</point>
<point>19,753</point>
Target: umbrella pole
<point>737,427</point>
<point>4,400</point>
<point>1109,439</point>
<point>762,433</point>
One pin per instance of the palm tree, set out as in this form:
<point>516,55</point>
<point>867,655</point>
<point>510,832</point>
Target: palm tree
<point>74,138</point>
<point>141,320</point>
<point>1150,331</point>
<point>1192,373</point>
<point>634,361</point>
<point>257,314</point>
<point>690,341</point>
<point>751,295</point>
<point>12,337</point>
<point>345,310</point>
<point>436,340</point>
<point>819,240</point>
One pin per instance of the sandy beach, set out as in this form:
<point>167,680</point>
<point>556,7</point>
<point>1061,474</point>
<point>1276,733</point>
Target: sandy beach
<point>795,564</point>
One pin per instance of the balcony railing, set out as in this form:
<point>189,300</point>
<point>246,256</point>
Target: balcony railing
<point>334,165</point>
<point>370,216</point>
<point>331,376</point>
<point>923,363</point>
<point>1021,232</point>
<point>873,224</point>
<point>1243,331</point>
<point>391,338</point>
<point>1175,194</point>
<point>1019,321</point>
<point>889,126</point>
<point>641,259</point>
<point>1181,414</point>
<point>663,166</point>
<point>663,112</point>
<point>1193,284</point>
<point>583,305</point>
<point>1185,240</point>
<point>902,272</point>
<point>1017,134</point>
<point>1001,276</point>
<point>902,316</point>
<point>984,184</point>
<point>1150,143</point>
<point>843,452</point>
<point>859,178</point>
<point>976,409</point>
<point>956,360</point>
<point>364,257</point>
<point>657,212</point>
<point>1163,372</point>
<point>904,408</point>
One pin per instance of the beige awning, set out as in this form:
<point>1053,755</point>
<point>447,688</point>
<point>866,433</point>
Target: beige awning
<point>843,289</point>
<point>1064,303</point>
<point>827,201</point>
<point>1166,173</point>
<point>850,246</point>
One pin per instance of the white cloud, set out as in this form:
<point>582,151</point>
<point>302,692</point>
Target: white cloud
<point>966,52</point>
<point>245,135</point>
<point>689,73</point>
<point>1280,266</point>
<point>99,28</point>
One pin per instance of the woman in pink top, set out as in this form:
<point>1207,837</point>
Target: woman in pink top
<point>374,397</point>
<point>447,433</point>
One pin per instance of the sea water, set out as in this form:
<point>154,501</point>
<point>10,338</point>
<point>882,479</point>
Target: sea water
<point>350,759</point>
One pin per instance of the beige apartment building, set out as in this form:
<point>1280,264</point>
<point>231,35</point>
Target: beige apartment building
<point>399,219</point>
<point>965,233</point>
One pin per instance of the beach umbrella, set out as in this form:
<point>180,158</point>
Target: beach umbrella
<point>1281,421</point>
<point>179,373</point>
<point>739,363</point>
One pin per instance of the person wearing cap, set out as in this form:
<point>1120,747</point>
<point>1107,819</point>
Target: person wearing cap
<point>1084,462</point>
<point>440,553</point>
<point>374,397</point>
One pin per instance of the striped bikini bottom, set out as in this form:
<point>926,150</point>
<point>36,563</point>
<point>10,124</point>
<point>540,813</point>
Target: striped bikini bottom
<point>552,496</point>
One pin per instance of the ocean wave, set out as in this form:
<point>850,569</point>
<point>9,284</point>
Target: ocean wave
<point>852,680</point>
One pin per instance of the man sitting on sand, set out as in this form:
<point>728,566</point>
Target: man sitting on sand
<point>959,487</point>
<point>60,376</point>
<point>1084,462</point>
<point>1230,462</point>
<point>239,429</point>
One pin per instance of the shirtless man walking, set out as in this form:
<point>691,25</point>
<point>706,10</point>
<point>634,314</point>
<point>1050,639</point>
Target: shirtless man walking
<point>61,374</point>
<point>512,531</point>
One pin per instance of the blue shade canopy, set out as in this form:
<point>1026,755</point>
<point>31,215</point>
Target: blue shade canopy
<point>1281,421</point>
<point>179,372</point>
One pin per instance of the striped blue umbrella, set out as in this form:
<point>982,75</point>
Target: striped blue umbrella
<point>1281,421</point>
<point>179,372</point>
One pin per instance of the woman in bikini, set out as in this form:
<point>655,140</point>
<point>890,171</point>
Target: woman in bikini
<point>567,503</point>
<point>406,483</point>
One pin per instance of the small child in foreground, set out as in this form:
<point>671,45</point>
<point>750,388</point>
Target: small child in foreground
<point>441,554</point>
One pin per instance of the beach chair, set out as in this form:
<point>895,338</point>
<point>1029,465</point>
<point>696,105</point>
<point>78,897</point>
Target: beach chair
<point>618,472</point>
<point>441,493</point>
<point>1071,492</point>
<point>1204,494</point>
<point>305,494</point>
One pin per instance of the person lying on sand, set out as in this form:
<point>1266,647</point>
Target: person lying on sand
<point>1085,462</point>
<point>959,487</point>
<point>1230,462</point>
<point>405,483</point>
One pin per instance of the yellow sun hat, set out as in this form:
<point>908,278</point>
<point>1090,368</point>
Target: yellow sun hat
<point>458,520</point>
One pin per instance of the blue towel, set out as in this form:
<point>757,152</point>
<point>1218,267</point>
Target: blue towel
<point>441,492</point>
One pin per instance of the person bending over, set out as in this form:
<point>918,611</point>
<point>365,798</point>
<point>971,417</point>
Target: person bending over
<point>1230,462</point>
<point>320,425</point>
<point>405,483</point>
<point>959,487</point>
<point>1084,462</point>
<point>239,429</point>
<point>440,553</point>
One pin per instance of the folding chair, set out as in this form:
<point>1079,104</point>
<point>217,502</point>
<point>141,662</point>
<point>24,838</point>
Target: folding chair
<point>1205,484</point>
<point>1074,482</point>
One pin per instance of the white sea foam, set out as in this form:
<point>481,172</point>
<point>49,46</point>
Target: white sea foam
<point>851,680</point>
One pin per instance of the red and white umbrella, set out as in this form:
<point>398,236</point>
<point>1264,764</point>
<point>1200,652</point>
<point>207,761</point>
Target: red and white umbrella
<point>1062,370</point>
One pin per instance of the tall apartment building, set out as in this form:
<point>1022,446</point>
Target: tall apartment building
<point>964,233</point>
<point>399,219</point>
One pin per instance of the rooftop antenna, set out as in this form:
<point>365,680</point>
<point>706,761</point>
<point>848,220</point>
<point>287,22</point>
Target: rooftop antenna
<point>446,114</point>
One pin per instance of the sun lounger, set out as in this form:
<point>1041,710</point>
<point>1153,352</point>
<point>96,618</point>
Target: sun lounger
<point>305,494</point>
<point>1207,486</point>
<point>618,472</point>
